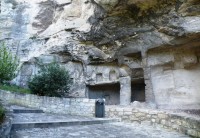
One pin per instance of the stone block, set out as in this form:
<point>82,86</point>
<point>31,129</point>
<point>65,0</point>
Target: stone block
<point>174,126</point>
<point>192,132</point>
<point>157,120</point>
<point>144,110</point>
<point>107,109</point>
<point>72,100</point>
<point>127,109</point>
<point>120,113</point>
<point>179,122</point>
<point>198,134</point>
<point>119,109</point>
<point>125,117</point>
<point>112,109</point>
<point>163,122</point>
<point>153,120</point>
<point>153,112</point>
<point>146,123</point>
<point>139,114</point>
<point>162,116</point>
<point>183,130</point>
<point>127,113</point>
<point>134,111</point>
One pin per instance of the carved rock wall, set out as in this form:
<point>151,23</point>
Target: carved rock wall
<point>154,43</point>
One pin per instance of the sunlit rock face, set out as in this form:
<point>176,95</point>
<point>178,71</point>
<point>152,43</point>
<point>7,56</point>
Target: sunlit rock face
<point>120,50</point>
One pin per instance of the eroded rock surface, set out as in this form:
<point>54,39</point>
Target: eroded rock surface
<point>154,43</point>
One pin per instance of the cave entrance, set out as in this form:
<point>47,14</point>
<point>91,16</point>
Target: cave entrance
<point>138,90</point>
<point>110,92</point>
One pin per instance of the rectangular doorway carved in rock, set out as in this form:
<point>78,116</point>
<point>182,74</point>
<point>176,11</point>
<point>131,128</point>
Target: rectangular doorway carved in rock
<point>110,92</point>
<point>137,85</point>
<point>138,90</point>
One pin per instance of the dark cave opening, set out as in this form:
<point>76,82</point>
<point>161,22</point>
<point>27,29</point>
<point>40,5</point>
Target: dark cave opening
<point>110,92</point>
<point>138,91</point>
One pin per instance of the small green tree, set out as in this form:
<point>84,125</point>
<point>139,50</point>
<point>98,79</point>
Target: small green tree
<point>52,80</point>
<point>8,64</point>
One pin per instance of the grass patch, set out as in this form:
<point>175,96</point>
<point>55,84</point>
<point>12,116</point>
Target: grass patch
<point>13,88</point>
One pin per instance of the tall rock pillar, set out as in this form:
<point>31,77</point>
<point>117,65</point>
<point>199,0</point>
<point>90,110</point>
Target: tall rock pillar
<point>125,90</point>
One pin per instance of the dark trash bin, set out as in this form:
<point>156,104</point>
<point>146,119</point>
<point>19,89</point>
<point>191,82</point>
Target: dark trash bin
<point>100,108</point>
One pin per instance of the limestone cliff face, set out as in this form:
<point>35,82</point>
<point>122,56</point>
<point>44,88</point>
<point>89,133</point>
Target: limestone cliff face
<point>153,43</point>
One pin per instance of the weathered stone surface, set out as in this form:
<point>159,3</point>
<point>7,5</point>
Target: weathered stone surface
<point>155,43</point>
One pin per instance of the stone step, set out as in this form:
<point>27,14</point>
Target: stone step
<point>17,111</point>
<point>47,124</point>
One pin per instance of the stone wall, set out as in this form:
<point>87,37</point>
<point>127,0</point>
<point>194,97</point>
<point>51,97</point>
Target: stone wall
<point>172,121</point>
<point>73,106</point>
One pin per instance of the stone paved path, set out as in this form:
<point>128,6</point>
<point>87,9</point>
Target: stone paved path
<point>111,130</point>
<point>107,130</point>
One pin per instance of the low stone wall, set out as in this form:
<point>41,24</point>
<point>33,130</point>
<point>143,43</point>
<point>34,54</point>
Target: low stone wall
<point>183,124</point>
<point>73,106</point>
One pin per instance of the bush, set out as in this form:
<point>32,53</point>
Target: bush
<point>8,64</point>
<point>52,80</point>
<point>2,113</point>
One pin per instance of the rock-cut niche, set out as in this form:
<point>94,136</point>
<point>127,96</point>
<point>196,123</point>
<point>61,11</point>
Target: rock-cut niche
<point>99,77</point>
<point>113,75</point>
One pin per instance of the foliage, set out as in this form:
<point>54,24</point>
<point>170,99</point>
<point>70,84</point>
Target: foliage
<point>2,113</point>
<point>52,80</point>
<point>8,64</point>
<point>14,88</point>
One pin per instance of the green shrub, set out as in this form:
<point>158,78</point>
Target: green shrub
<point>2,113</point>
<point>8,64</point>
<point>52,80</point>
